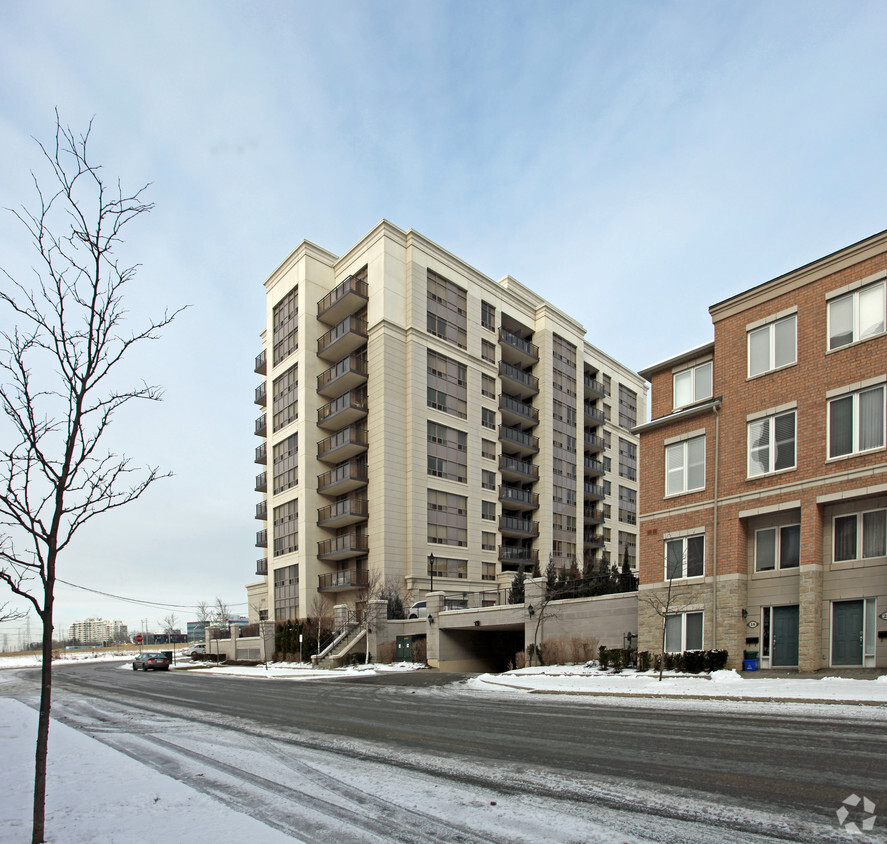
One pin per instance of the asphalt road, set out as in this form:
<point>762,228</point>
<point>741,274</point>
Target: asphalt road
<point>797,769</point>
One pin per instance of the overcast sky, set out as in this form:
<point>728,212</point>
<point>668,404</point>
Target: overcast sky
<point>632,162</point>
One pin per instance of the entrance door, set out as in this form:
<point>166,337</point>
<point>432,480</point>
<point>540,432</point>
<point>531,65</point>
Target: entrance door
<point>847,632</point>
<point>785,636</point>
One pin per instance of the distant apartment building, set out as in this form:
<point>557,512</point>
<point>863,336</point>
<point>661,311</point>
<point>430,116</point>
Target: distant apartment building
<point>96,631</point>
<point>764,502</point>
<point>422,421</point>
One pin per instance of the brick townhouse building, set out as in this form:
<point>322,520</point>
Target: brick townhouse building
<point>763,503</point>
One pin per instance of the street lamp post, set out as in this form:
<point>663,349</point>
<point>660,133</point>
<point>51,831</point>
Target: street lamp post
<point>431,570</point>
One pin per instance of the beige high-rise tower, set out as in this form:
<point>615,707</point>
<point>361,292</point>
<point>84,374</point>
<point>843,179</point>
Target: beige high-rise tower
<point>422,420</point>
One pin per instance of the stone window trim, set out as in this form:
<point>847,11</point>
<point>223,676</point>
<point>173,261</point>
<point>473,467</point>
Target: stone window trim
<point>853,388</point>
<point>690,435</point>
<point>859,430</point>
<point>760,323</point>
<point>771,411</point>
<point>681,534</point>
<point>773,364</point>
<point>858,333</point>
<point>855,285</point>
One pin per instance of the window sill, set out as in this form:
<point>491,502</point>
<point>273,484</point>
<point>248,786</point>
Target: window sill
<point>856,343</point>
<point>767,574</point>
<point>771,474</point>
<point>853,454</point>
<point>865,562</point>
<point>771,371</point>
<point>670,495</point>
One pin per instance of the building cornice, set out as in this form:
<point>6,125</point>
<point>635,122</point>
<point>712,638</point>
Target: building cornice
<point>678,416</point>
<point>668,363</point>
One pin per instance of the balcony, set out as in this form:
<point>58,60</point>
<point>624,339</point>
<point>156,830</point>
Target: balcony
<point>593,443</point>
<point>518,442</point>
<point>595,491</point>
<point>347,374</point>
<point>517,382</point>
<point>262,453</point>
<point>517,470</point>
<point>261,538</point>
<point>594,540</point>
<point>262,566</point>
<point>521,528</point>
<point>351,544</point>
<point>593,416</point>
<point>594,388</point>
<point>342,513</point>
<point>262,510</point>
<point>347,337</point>
<point>261,426</point>
<point>262,482</point>
<point>593,467</point>
<point>261,366</point>
<point>592,516</point>
<point>343,479</point>
<point>516,412</point>
<point>338,581</point>
<point>343,411</point>
<point>261,395</point>
<point>518,499</point>
<point>343,445</point>
<point>518,554</point>
<point>516,350</point>
<point>348,297</point>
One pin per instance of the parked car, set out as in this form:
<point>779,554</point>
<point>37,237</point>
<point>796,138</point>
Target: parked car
<point>150,661</point>
<point>418,610</point>
<point>199,648</point>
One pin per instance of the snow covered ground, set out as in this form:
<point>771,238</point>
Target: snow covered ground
<point>100,794</point>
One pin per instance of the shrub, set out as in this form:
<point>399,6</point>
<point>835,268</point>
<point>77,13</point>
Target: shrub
<point>643,661</point>
<point>603,656</point>
<point>693,661</point>
<point>520,659</point>
<point>657,662</point>
<point>420,650</point>
<point>387,652</point>
<point>617,656</point>
<point>716,659</point>
<point>668,661</point>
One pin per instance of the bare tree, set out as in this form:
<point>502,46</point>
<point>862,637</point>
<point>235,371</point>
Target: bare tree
<point>168,625</point>
<point>369,591</point>
<point>61,390</point>
<point>204,612</point>
<point>323,620</point>
<point>221,613</point>
<point>663,606</point>
<point>8,613</point>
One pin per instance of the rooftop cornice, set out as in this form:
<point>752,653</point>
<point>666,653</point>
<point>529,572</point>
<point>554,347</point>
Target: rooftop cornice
<point>698,351</point>
<point>678,416</point>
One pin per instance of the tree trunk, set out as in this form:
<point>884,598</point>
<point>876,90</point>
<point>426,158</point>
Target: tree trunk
<point>39,820</point>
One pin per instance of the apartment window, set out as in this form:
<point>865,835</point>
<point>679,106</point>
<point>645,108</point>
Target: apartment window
<point>487,316</point>
<point>488,351</point>
<point>286,592</point>
<point>488,510</point>
<point>685,466</point>
<point>772,346</point>
<point>860,536</point>
<point>488,449</point>
<point>628,460</point>
<point>447,453</point>
<point>856,316</point>
<point>285,326</point>
<point>286,528</point>
<point>685,557</point>
<point>488,543</point>
<point>856,422</point>
<point>628,545</point>
<point>447,390</point>
<point>628,407</point>
<point>778,548</point>
<point>487,386</point>
<point>488,571</point>
<point>683,632</point>
<point>285,465</point>
<point>447,518</point>
<point>446,310</point>
<point>693,385</point>
<point>447,567</point>
<point>487,417</point>
<point>488,479</point>
<point>605,379</point>
<point>628,505</point>
<point>771,444</point>
<point>285,398</point>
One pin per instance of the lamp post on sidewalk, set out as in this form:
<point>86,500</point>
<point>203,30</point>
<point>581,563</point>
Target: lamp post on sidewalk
<point>431,570</point>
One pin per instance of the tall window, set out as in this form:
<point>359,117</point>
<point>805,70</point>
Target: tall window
<point>685,557</point>
<point>285,326</point>
<point>860,536</point>
<point>447,390</point>
<point>628,505</point>
<point>488,351</point>
<point>487,385</point>
<point>856,422</point>
<point>683,632</point>
<point>628,407</point>
<point>772,345</point>
<point>285,398</point>
<point>285,465</point>
<point>487,316</point>
<point>685,466</point>
<point>693,385</point>
<point>488,510</point>
<point>778,548</point>
<point>447,518</point>
<point>628,460</point>
<point>856,316</point>
<point>488,417</point>
<point>488,449</point>
<point>446,310</point>
<point>628,542</point>
<point>286,592</point>
<point>771,444</point>
<point>447,453</point>
<point>488,542</point>
<point>286,528</point>
<point>487,479</point>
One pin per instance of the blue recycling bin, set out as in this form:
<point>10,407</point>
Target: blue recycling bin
<point>749,665</point>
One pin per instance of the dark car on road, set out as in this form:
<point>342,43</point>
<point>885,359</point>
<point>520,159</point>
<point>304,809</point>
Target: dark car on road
<point>151,661</point>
